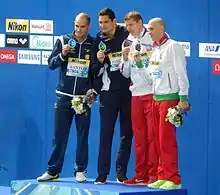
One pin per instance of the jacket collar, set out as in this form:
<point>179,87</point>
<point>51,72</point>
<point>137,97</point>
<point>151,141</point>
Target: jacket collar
<point>163,40</point>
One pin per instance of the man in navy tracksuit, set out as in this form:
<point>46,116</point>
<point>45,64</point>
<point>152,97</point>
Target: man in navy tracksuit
<point>114,96</point>
<point>72,55</point>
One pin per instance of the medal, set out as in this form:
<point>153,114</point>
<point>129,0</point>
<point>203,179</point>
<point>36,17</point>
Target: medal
<point>127,43</point>
<point>102,46</point>
<point>72,43</point>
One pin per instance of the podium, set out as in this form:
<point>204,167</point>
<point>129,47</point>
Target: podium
<point>68,186</point>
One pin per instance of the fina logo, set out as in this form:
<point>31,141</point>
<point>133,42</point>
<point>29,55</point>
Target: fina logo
<point>38,42</point>
<point>212,48</point>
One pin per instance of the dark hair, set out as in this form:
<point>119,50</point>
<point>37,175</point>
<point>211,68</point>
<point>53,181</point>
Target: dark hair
<point>107,12</point>
<point>136,16</point>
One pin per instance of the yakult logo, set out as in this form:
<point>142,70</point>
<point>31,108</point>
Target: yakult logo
<point>41,26</point>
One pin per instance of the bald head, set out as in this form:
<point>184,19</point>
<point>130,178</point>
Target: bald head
<point>156,28</point>
<point>158,21</point>
<point>84,16</point>
<point>82,25</point>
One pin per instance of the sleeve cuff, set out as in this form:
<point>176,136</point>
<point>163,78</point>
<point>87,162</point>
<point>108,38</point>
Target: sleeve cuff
<point>183,98</point>
<point>94,91</point>
<point>61,57</point>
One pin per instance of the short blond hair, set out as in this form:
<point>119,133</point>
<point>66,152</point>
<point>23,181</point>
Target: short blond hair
<point>136,16</point>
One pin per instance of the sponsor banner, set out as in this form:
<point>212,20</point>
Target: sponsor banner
<point>41,42</point>
<point>19,41</point>
<point>41,26</point>
<point>186,47</point>
<point>216,67</point>
<point>45,56</point>
<point>209,50</point>
<point>2,40</point>
<point>8,56</point>
<point>17,25</point>
<point>29,57</point>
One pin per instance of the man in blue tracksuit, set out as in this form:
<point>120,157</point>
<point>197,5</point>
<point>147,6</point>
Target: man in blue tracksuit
<point>72,55</point>
<point>114,96</point>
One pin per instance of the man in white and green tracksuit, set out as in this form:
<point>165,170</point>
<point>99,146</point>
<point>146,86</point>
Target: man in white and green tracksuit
<point>170,88</point>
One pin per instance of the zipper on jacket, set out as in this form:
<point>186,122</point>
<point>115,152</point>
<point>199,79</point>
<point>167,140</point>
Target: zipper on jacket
<point>169,80</point>
<point>74,88</point>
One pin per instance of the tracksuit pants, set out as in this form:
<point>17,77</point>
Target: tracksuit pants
<point>144,140</point>
<point>166,142</point>
<point>64,115</point>
<point>111,104</point>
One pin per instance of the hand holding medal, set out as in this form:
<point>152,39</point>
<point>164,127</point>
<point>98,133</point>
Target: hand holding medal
<point>72,45</point>
<point>126,49</point>
<point>67,48</point>
<point>101,53</point>
<point>137,55</point>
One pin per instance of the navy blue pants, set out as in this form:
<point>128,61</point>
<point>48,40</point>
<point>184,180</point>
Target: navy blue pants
<point>111,104</point>
<point>64,115</point>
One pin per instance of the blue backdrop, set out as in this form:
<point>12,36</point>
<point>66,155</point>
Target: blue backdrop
<point>27,92</point>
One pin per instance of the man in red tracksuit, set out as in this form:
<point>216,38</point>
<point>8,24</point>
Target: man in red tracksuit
<point>135,62</point>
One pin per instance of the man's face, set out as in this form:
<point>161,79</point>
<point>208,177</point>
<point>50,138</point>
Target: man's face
<point>106,24</point>
<point>134,27</point>
<point>81,27</point>
<point>155,30</point>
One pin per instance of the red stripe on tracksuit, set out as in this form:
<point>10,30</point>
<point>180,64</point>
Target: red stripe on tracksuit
<point>144,141</point>
<point>165,134</point>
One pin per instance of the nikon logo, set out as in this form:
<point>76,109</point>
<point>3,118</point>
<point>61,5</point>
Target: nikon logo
<point>16,25</point>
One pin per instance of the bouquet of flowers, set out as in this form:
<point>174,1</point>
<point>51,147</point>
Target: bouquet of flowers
<point>175,116</point>
<point>81,104</point>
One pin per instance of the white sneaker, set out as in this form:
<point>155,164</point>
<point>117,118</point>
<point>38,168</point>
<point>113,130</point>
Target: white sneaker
<point>47,177</point>
<point>81,177</point>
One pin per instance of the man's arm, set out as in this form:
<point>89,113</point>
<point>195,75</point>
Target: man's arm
<point>56,58</point>
<point>125,65</point>
<point>125,69</point>
<point>97,67</point>
<point>180,68</point>
<point>92,93</point>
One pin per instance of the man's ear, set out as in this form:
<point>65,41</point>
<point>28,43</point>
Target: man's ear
<point>140,22</point>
